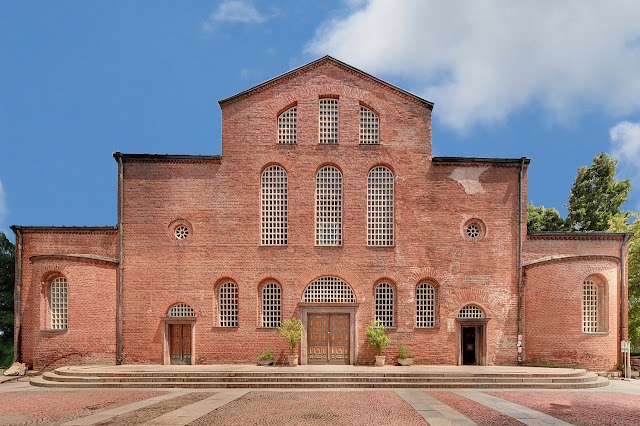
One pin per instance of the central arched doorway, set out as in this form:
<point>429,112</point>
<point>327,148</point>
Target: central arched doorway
<point>328,309</point>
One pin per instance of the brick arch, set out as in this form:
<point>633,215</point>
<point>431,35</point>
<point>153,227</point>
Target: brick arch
<point>429,273</point>
<point>490,303</point>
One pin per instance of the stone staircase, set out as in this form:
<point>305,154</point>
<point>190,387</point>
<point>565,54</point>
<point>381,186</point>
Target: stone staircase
<point>328,377</point>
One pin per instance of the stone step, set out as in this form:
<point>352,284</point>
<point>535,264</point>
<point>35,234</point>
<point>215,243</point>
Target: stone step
<point>41,381</point>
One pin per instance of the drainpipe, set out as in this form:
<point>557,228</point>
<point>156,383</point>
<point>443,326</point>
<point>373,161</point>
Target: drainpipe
<point>118,157</point>
<point>624,326</point>
<point>520,193</point>
<point>17,355</point>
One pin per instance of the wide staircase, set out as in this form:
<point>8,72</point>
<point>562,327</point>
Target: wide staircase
<point>236,376</point>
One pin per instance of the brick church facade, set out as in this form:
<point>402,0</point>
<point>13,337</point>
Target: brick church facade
<point>328,206</point>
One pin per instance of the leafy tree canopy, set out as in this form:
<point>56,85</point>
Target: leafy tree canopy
<point>540,218</point>
<point>7,271</point>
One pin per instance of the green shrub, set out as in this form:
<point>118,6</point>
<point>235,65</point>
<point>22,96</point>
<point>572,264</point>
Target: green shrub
<point>403,353</point>
<point>291,330</point>
<point>377,336</point>
<point>267,355</point>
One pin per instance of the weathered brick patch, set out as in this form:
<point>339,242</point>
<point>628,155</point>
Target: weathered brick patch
<point>315,408</point>
<point>156,410</point>
<point>19,408</point>
<point>477,412</point>
<point>581,408</point>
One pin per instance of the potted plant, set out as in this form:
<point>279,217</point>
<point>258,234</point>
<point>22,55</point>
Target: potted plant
<point>292,330</point>
<point>267,357</point>
<point>377,338</point>
<point>403,355</point>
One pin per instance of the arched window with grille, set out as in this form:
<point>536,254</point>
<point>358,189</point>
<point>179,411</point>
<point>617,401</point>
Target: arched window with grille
<point>590,308</point>
<point>328,117</point>
<point>369,134</point>
<point>181,310</point>
<point>228,304</point>
<point>328,290</point>
<point>380,207</point>
<point>471,312</point>
<point>59,303</point>
<point>271,305</point>
<point>425,306</point>
<point>274,206</point>
<point>329,207</point>
<point>384,304</point>
<point>288,126</point>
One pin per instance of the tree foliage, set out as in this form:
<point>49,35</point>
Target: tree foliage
<point>596,195</point>
<point>7,274</point>
<point>540,218</point>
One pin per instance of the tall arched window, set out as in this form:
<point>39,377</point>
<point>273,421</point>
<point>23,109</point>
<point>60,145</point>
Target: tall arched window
<point>228,304</point>
<point>590,308</point>
<point>59,303</point>
<point>425,306</point>
<point>271,305</point>
<point>329,207</point>
<point>288,126</point>
<point>328,117</point>
<point>380,207</point>
<point>368,126</point>
<point>274,206</point>
<point>384,304</point>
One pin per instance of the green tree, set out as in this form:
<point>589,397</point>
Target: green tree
<point>7,274</point>
<point>596,195</point>
<point>540,218</point>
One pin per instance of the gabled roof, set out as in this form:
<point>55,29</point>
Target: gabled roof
<point>316,63</point>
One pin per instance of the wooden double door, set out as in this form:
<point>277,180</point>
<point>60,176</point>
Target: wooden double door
<point>328,338</point>
<point>180,343</point>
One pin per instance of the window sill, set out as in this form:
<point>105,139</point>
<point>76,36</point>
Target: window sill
<point>596,333</point>
<point>260,327</point>
<point>219,327</point>
<point>54,330</point>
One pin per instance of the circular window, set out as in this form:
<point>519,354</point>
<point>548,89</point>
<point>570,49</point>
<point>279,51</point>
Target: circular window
<point>181,232</point>
<point>473,229</point>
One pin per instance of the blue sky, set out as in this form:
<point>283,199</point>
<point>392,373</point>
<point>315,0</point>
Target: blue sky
<point>557,82</point>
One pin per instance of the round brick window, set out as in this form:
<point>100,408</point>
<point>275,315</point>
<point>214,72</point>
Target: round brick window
<point>181,232</point>
<point>473,229</point>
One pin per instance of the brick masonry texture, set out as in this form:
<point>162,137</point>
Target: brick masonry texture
<point>219,201</point>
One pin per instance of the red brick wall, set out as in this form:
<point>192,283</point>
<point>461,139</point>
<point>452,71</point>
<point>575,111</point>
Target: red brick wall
<point>90,337</point>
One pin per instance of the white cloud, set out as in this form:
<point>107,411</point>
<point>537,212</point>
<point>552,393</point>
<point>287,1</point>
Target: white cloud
<point>235,12</point>
<point>625,138</point>
<point>481,61</point>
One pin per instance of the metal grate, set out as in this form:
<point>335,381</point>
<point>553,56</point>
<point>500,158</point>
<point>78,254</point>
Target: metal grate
<point>181,310</point>
<point>425,306</point>
<point>59,303</point>
<point>328,290</point>
<point>473,231</point>
<point>228,305</point>
<point>274,205</point>
<point>384,304</point>
<point>380,207</point>
<point>589,307</point>
<point>329,207</point>
<point>181,232</point>
<point>271,305</point>
<point>287,126</point>
<point>328,121</point>
<point>471,311</point>
<point>368,127</point>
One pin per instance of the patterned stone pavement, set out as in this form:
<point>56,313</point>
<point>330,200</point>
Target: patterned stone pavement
<point>22,404</point>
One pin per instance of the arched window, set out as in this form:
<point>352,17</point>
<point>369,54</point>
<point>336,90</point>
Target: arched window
<point>328,290</point>
<point>329,207</point>
<point>181,310</point>
<point>59,303</point>
<point>380,207</point>
<point>271,305</point>
<point>368,126</point>
<point>228,304</point>
<point>288,126</point>
<point>328,121</point>
<point>590,308</point>
<point>274,206</point>
<point>471,311</point>
<point>384,304</point>
<point>425,306</point>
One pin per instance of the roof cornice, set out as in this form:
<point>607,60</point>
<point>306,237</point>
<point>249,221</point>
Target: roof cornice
<point>177,158</point>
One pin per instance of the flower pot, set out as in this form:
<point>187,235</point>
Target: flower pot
<point>380,360</point>
<point>406,361</point>
<point>265,361</point>
<point>293,360</point>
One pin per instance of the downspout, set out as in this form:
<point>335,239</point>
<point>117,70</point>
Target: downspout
<point>624,304</point>
<point>520,193</point>
<point>17,305</point>
<point>119,325</point>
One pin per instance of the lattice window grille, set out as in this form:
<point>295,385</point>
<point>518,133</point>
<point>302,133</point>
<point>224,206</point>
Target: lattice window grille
<point>589,307</point>
<point>329,207</point>
<point>384,304</point>
<point>274,202</point>
<point>471,311</point>
<point>288,126</point>
<point>271,305</point>
<point>425,306</point>
<point>328,290</point>
<point>368,127</point>
<point>59,303</point>
<point>380,207</point>
<point>328,121</point>
<point>228,305</point>
<point>181,310</point>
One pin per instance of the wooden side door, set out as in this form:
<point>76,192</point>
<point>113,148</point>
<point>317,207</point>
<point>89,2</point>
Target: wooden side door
<point>339,331</point>
<point>180,344</point>
<point>317,338</point>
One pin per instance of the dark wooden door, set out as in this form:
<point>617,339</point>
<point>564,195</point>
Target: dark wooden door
<point>180,343</point>
<point>328,338</point>
<point>469,345</point>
